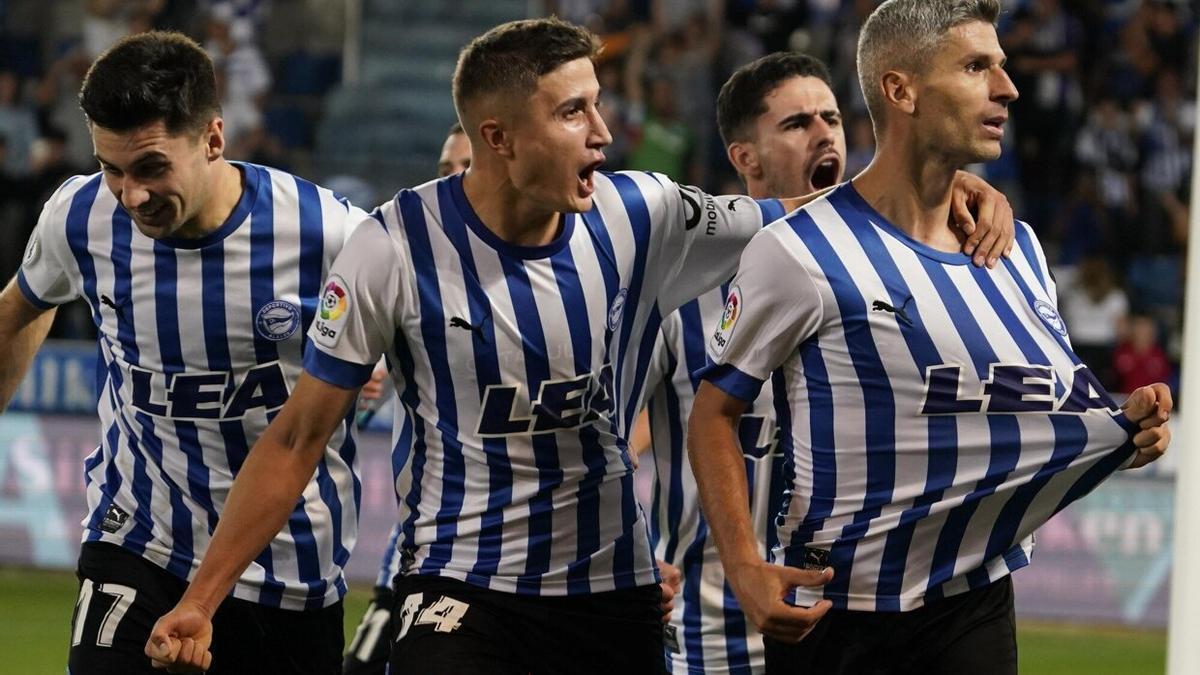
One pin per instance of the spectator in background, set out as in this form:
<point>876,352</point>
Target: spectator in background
<point>18,125</point>
<point>662,141</point>
<point>106,21</point>
<point>1107,148</point>
<point>243,80</point>
<point>1140,358</point>
<point>1095,310</point>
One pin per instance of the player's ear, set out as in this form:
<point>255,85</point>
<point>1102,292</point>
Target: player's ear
<point>213,138</point>
<point>744,158</point>
<point>898,91</point>
<point>496,137</point>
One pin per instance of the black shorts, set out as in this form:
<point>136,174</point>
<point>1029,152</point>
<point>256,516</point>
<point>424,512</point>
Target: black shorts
<point>449,626</point>
<point>122,596</point>
<point>973,632</point>
<point>372,643</point>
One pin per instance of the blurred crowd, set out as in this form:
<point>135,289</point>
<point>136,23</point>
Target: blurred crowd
<point>1098,156</point>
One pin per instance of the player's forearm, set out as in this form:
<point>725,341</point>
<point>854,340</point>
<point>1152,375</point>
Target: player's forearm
<point>721,479</point>
<point>259,503</point>
<point>21,334</point>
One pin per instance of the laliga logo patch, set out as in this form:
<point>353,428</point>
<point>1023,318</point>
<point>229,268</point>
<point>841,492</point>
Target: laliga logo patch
<point>1050,317</point>
<point>277,320</point>
<point>334,308</point>
<point>618,308</point>
<point>733,310</point>
<point>31,250</point>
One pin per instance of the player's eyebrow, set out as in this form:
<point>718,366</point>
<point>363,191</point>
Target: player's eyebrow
<point>152,157</point>
<point>803,119</point>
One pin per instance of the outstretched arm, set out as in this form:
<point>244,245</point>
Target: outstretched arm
<point>262,497</point>
<point>23,328</point>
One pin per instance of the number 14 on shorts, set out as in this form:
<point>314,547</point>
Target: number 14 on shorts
<point>444,613</point>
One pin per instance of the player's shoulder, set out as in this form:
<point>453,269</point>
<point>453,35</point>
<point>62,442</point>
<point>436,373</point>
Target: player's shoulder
<point>64,196</point>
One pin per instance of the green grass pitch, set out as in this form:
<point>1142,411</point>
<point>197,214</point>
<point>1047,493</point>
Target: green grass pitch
<point>35,610</point>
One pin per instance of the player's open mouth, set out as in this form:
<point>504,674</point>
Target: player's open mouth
<point>587,179</point>
<point>995,125</point>
<point>825,173</point>
<point>155,216</point>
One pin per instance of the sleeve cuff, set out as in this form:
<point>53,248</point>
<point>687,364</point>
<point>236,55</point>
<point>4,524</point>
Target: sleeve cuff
<point>32,297</point>
<point>772,210</point>
<point>732,381</point>
<point>335,371</point>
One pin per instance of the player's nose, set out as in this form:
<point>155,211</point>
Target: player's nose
<point>1003,89</point>
<point>133,194</point>
<point>600,135</point>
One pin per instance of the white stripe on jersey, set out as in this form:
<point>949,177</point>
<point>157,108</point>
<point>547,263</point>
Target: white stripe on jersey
<point>977,420</point>
<point>520,370</point>
<point>201,342</point>
<point>711,630</point>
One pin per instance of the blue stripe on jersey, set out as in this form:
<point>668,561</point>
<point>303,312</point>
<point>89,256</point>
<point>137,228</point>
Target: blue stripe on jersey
<point>693,620</point>
<point>166,318</point>
<point>771,210</point>
<point>112,479</point>
<point>487,369</point>
<point>878,401</point>
<point>412,435</point>
<point>312,245</point>
<point>587,514</point>
<point>120,254</point>
<point>737,651</point>
<point>545,446</point>
<point>1004,431</point>
<point>1025,243</point>
<point>390,565</point>
<point>941,429</point>
<point>639,222</point>
<point>77,240</point>
<point>675,480</point>
<point>784,476</point>
<point>821,420</point>
<point>262,291</point>
<point>433,337</point>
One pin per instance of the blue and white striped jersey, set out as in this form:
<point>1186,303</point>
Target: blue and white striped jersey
<point>709,632</point>
<point>936,415</point>
<point>520,370</point>
<point>201,341</point>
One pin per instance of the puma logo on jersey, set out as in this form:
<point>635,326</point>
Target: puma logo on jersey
<point>881,306</point>
<point>459,322</point>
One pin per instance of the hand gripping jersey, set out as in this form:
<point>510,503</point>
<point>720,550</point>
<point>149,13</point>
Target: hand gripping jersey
<point>936,413</point>
<point>709,632</point>
<point>201,341</point>
<point>520,369</point>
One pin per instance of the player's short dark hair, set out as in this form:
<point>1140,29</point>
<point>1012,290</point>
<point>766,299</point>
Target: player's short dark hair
<point>512,56</point>
<point>149,77</point>
<point>743,96</point>
<point>456,128</point>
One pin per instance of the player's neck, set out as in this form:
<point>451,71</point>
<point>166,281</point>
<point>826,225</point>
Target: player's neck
<point>224,195</point>
<point>912,190</point>
<point>509,214</point>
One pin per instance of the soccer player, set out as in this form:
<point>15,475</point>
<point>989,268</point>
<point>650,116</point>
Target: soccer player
<point>783,133</point>
<point>519,303</point>
<point>202,276</point>
<point>372,643</point>
<point>935,413</point>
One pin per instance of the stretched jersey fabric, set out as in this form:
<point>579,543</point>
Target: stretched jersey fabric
<point>936,412</point>
<point>389,566</point>
<point>708,632</point>
<point>519,370</point>
<point>201,341</point>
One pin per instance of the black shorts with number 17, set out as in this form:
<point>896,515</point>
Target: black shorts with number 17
<point>121,596</point>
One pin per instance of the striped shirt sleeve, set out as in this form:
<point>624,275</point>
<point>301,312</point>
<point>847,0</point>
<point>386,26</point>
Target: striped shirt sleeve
<point>773,305</point>
<point>358,310</point>
<point>702,236</point>
<point>46,277</point>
